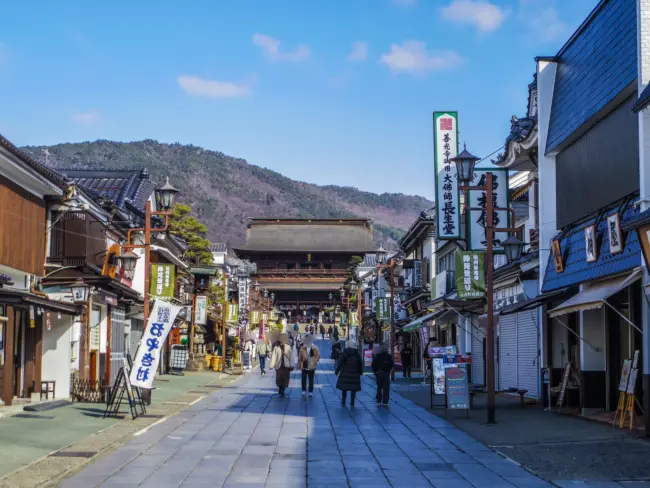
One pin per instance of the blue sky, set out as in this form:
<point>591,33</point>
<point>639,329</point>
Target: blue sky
<point>325,91</point>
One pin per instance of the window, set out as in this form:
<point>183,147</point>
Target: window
<point>446,262</point>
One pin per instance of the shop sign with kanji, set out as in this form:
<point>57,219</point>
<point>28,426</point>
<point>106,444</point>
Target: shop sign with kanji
<point>445,138</point>
<point>155,334</point>
<point>382,306</point>
<point>163,277</point>
<point>470,275</point>
<point>478,200</point>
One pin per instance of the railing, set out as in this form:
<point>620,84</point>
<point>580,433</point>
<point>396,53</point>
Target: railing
<point>301,271</point>
<point>67,260</point>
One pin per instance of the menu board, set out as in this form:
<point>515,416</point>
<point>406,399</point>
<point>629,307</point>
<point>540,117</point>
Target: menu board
<point>457,388</point>
<point>367,357</point>
<point>625,374</point>
<point>632,382</point>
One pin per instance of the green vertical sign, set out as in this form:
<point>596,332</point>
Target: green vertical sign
<point>470,275</point>
<point>163,277</point>
<point>382,308</point>
<point>233,312</point>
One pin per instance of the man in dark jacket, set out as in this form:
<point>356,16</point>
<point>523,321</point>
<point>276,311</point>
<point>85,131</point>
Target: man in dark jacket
<point>382,365</point>
<point>406,354</point>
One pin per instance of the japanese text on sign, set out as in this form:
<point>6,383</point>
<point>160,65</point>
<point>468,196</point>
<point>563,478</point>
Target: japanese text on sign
<point>478,200</point>
<point>159,325</point>
<point>470,275</point>
<point>445,135</point>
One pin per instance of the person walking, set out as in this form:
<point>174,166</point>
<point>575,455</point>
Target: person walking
<point>406,354</point>
<point>335,333</point>
<point>336,349</point>
<point>329,332</point>
<point>308,358</point>
<point>349,370</point>
<point>282,363</point>
<point>322,331</point>
<point>263,350</point>
<point>382,365</point>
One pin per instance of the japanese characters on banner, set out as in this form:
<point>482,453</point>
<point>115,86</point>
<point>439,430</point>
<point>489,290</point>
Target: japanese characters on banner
<point>445,139</point>
<point>614,234</point>
<point>478,218</point>
<point>470,275</point>
<point>399,310</point>
<point>232,313</point>
<point>163,277</point>
<point>255,317</point>
<point>200,314</point>
<point>382,306</point>
<point>591,249</point>
<point>243,296</point>
<point>159,324</point>
<point>417,274</point>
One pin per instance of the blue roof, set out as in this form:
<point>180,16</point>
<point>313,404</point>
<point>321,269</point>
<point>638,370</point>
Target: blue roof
<point>576,268</point>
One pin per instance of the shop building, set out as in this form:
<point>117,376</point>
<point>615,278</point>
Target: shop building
<point>589,276</point>
<point>34,329</point>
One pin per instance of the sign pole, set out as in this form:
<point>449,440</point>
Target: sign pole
<point>489,235</point>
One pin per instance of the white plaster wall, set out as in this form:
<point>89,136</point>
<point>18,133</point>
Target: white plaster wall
<point>138,275</point>
<point>57,352</point>
<point>592,330</point>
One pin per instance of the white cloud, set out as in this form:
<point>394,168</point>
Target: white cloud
<point>359,52</point>
<point>483,15</point>
<point>271,47</point>
<point>547,25</point>
<point>412,57</point>
<point>201,87</point>
<point>86,118</point>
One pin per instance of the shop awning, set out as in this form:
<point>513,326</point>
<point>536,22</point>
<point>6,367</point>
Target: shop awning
<point>594,296</point>
<point>419,322</point>
<point>17,297</point>
<point>170,256</point>
<point>532,303</point>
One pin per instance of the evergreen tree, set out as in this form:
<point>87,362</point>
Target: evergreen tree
<point>183,224</point>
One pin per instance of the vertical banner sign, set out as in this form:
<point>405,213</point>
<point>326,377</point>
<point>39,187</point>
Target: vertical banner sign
<point>591,247</point>
<point>383,309</point>
<point>200,314</point>
<point>255,317</point>
<point>445,146</point>
<point>478,218</point>
<point>159,324</point>
<point>417,274</point>
<point>470,275</point>
<point>399,310</point>
<point>614,233</point>
<point>243,295</point>
<point>163,277</point>
<point>233,313</point>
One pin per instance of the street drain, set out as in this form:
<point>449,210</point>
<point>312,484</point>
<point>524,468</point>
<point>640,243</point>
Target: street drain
<point>74,454</point>
<point>210,386</point>
<point>198,392</point>
<point>32,416</point>
<point>151,416</point>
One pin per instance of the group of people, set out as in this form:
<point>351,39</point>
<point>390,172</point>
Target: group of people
<point>349,366</point>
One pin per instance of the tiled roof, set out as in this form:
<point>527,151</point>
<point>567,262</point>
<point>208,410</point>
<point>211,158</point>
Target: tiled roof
<point>218,247</point>
<point>120,186</point>
<point>370,261</point>
<point>576,268</point>
<point>40,168</point>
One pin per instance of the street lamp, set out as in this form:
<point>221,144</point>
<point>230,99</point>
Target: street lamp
<point>381,254</point>
<point>272,297</point>
<point>513,248</point>
<point>465,164</point>
<point>128,260</point>
<point>80,291</point>
<point>166,196</point>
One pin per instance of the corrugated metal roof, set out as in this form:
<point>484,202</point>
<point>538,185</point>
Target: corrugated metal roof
<point>576,268</point>
<point>218,247</point>
<point>119,186</point>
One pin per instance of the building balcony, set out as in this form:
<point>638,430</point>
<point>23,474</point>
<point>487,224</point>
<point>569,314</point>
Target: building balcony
<point>334,273</point>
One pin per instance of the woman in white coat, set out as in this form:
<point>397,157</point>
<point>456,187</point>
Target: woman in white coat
<point>282,363</point>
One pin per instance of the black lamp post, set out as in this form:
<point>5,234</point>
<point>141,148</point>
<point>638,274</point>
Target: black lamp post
<point>465,165</point>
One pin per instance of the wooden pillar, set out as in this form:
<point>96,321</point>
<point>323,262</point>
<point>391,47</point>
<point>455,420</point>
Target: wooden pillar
<point>109,326</point>
<point>38,352</point>
<point>8,375</point>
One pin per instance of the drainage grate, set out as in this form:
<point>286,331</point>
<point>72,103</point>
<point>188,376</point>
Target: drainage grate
<point>32,416</point>
<point>211,386</point>
<point>74,454</point>
<point>151,416</point>
<point>202,392</point>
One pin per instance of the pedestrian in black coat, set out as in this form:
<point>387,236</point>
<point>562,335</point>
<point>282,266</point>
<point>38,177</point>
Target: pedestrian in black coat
<point>336,350</point>
<point>382,365</point>
<point>349,370</point>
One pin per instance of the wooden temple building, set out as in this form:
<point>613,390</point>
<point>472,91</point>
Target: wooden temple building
<point>303,262</point>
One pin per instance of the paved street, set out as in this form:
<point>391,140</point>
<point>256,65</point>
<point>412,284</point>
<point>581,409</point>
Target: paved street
<point>244,435</point>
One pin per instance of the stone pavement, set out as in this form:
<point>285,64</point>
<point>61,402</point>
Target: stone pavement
<point>246,436</point>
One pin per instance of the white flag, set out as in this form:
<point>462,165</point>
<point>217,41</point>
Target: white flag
<point>159,324</point>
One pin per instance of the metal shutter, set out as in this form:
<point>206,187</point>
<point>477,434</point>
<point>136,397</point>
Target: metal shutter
<point>507,352</point>
<point>137,330</point>
<point>117,341</point>
<point>527,353</point>
<point>478,362</point>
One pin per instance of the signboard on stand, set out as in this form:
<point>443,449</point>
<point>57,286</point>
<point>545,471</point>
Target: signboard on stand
<point>445,144</point>
<point>457,389</point>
